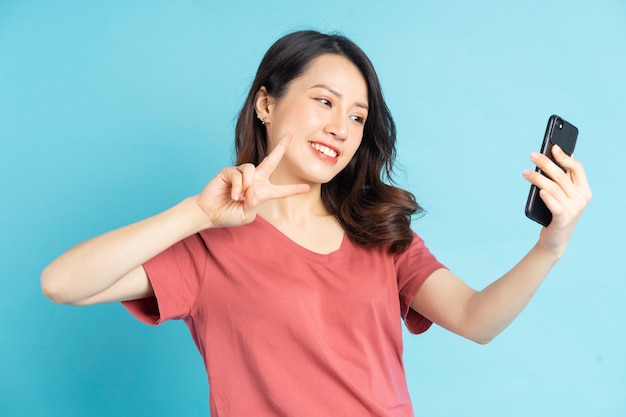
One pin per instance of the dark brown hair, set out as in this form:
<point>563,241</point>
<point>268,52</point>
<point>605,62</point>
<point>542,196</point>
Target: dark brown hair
<point>371,210</point>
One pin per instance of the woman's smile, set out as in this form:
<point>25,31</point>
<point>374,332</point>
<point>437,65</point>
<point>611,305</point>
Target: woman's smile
<point>325,152</point>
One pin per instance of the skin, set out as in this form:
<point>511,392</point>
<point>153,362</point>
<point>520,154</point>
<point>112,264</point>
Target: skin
<point>326,105</point>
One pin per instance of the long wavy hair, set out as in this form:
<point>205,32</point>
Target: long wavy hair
<point>371,210</point>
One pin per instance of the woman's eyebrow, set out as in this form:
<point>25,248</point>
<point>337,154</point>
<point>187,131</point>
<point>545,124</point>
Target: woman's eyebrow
<point>338,94</point>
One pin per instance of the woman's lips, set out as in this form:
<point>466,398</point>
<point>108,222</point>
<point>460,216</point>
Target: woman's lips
<point>324,150</point>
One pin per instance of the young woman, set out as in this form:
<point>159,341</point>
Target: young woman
<point>292,268</point>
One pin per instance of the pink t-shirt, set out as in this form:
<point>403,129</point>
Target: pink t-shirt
<point>284,331</point>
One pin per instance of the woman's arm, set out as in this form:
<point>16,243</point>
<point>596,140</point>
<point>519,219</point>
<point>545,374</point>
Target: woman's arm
<point>481,315</point>
<point>108,267</point>
<point>101,263</point>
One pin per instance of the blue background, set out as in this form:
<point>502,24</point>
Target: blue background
<point>113,111</point>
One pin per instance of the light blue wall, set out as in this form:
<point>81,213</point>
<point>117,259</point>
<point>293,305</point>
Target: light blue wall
<point>113,111</point>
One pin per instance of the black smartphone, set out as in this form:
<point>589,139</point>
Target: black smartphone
<point>558,132</point>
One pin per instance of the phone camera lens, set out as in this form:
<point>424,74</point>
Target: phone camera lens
<point>560,125</point>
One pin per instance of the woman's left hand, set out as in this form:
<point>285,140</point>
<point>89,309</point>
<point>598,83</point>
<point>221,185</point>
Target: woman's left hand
<point>566,194</point>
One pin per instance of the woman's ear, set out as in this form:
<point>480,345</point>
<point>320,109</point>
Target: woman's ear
<point>263,105</point>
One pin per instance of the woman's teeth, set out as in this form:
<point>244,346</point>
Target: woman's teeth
<point>323,149</point>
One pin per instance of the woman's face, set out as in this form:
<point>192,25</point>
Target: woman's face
<point>325,110</point>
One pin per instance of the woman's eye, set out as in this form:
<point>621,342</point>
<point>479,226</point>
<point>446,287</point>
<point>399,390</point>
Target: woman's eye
<point>325,102</point>
<point>358,119</point>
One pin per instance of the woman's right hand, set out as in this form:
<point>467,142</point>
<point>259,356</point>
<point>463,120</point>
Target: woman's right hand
<point>233,196</point>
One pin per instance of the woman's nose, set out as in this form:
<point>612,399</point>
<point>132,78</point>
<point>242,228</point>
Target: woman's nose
<point>338,126</point>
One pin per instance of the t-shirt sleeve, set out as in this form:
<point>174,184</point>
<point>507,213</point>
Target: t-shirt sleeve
<point>176,275</point>
<point>413,267</point>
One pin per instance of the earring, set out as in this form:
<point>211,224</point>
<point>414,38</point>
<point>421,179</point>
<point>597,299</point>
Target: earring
<point>262,119</point>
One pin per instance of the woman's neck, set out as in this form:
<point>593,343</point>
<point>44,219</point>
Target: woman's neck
<point>295,210</point>
<point>305,220</point>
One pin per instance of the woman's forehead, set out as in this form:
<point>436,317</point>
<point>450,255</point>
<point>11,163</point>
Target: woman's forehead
<point>337,74</point>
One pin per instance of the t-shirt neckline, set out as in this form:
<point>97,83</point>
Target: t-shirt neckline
<point>301,250</point>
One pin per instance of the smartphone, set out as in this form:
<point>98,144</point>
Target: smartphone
<point>558,132</point>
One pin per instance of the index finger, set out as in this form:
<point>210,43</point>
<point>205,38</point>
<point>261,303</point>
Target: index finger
<point>271,161</point>
<point>573,166</point>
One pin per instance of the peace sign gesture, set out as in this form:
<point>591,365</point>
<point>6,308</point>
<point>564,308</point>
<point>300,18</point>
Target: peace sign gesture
<point>233,196</point>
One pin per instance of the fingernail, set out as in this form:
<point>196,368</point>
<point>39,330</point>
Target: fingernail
<point>534,156</point>
<point>526,172</point>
